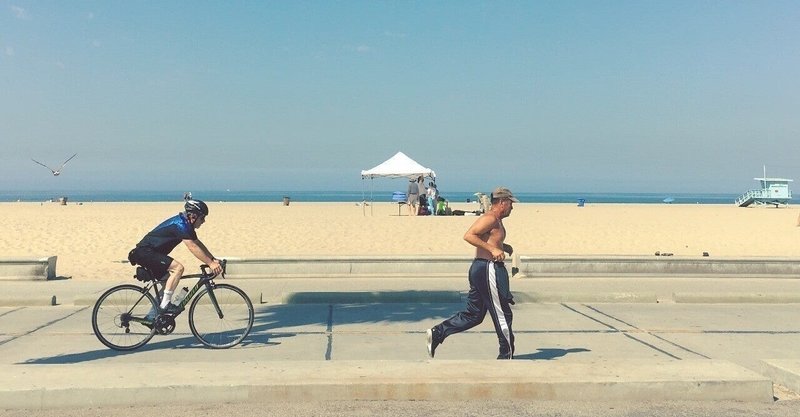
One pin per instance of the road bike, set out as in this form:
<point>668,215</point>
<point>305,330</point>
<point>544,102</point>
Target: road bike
<point>127,316</point>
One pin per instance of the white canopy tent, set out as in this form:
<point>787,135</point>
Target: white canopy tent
<point>398,166</point>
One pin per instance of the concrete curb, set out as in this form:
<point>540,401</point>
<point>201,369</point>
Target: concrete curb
<point>528,266</point>
<point>582,297</point>
<point>50,386</point>
<point>785,372</point>
<point>669,265</point>
<point>342,266</point>
<point>23,301</point>
<point>732,298</point>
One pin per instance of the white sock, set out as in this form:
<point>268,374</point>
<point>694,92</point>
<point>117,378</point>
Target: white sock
<point>166,299</point>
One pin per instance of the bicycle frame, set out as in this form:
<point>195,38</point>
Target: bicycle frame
<point>205,280</point>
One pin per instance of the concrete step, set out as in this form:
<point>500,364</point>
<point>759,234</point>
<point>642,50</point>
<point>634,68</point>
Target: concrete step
<point>29,269</point>
<point>50,386</point>
<point>532,266</point>
<point>785,372</point>
<point>452,289</point>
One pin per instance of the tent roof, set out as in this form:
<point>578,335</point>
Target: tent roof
<point>398,166</point>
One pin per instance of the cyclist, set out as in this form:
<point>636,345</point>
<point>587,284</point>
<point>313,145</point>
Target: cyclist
<point>153,250</point>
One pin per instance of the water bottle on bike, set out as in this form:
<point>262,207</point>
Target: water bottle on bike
<point>177,299</point>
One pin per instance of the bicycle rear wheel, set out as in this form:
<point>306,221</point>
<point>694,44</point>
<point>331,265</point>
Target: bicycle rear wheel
<point>119,317</point>
<point>221,318</point>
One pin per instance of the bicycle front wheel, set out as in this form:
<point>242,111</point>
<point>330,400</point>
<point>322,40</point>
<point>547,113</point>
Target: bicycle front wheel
<point>120,317</point>
<point>222,317</point>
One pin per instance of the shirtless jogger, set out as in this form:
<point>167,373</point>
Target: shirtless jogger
<point>488,279</point>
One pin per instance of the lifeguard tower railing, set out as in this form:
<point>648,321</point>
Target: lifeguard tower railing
<point>763,196</point>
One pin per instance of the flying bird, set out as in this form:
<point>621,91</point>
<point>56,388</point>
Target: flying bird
<point>55,172</point>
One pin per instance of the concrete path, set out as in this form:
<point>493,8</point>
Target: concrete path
<point>364,339</point>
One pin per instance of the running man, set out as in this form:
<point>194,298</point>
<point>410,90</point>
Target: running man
<point>488,279</point>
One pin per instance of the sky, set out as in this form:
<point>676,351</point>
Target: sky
<point>540,96</point>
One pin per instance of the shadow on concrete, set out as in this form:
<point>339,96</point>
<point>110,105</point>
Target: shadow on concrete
<point>183,343</point>
<point>104,353</point>
<point>549,353</point>
<point>188,342</point>
<point>60,278</point>
<point>271,319</point>
<point>275,317</point>
<point>393,297</point>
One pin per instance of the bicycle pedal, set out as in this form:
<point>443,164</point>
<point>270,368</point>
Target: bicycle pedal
<point>171,309</point>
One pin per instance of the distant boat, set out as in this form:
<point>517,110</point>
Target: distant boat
<point>668,200</point>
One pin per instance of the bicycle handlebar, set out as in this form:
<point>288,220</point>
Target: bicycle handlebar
<point>207,269</point>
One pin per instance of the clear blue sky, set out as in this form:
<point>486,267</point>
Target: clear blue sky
<point>581,96</point>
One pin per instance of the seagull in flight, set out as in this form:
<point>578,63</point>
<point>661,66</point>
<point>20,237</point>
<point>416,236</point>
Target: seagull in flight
<point>55,172</point>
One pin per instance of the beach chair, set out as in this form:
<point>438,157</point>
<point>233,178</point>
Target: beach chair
<point>400,198</point>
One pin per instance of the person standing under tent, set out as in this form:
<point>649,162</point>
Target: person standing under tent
<point>422,193</point>
<point>433,194</point>
<point>413,197</point>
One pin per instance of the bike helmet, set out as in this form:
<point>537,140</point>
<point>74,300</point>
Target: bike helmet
<point>196,206</point>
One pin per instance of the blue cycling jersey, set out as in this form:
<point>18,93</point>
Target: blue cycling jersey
<point>169,234</point>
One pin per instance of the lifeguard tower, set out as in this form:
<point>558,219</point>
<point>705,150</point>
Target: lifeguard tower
<point>773,191</point>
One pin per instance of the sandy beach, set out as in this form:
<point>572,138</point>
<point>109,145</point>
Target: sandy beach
<point>92,239</point>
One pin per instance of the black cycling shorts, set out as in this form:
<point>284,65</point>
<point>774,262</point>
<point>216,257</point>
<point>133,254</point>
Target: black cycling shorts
<point>155,262</point>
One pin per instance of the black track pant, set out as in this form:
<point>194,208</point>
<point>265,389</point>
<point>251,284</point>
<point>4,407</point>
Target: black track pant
<point>488,291</point>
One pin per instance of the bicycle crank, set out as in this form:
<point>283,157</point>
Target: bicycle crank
<point>164,324</point>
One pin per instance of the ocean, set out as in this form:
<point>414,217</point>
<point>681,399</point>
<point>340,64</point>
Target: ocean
<point>355,196</point>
